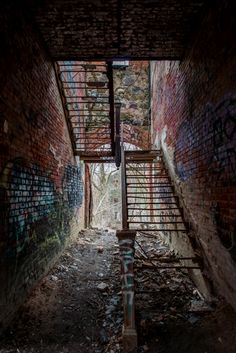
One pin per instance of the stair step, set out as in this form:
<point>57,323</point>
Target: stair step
<point>147,175</point>
<point>143,152</point>
<point>158,230</point>
<point>155,209</point>
<point>152,203</point>
<point>149,193</point>
<point>157,215</point>
<point>138,168</point>
<point>174,217</point>
<point>151,189</point>
<point>154,198</point>
<point>142,222</point>
<point>151,184</point>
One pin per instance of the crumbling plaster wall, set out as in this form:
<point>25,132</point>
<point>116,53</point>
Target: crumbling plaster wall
<point>131,88</point>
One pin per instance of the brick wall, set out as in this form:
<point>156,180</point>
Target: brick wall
<point>114,28</point>
<point>193,107</point>
<point>40,180</point>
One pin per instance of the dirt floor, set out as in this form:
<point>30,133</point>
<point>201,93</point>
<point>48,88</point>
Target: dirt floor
<point>77,307</point>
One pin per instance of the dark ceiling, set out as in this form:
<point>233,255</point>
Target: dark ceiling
<point>89,29</point>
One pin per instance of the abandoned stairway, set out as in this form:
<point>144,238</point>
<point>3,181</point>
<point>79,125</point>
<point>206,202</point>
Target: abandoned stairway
<point>86,90</point>
<point>148,198</point>
<point>149,201</point>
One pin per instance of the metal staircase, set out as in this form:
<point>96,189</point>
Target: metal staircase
<point>87,96</point>
<point>148,197</point>
<point>149,202</point>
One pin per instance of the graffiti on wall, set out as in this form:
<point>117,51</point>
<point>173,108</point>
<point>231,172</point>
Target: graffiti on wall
<point>208,137</point>
<point>32,210</point>
<point>206,149</point>
<point>185,166</point>
<point>222,159</point>
<point>72,186</point>
<point>29,196</point>
<point>226,231</point>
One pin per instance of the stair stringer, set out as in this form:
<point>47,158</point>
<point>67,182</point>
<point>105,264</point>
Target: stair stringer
<point>187,244</point>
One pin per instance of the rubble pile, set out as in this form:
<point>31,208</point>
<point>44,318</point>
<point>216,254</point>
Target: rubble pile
<point>77,307</point>
<point>164,293</point>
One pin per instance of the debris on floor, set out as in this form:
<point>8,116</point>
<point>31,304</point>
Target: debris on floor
<point>158,270</point>
<point>168,305</point>
<point>77,307</point>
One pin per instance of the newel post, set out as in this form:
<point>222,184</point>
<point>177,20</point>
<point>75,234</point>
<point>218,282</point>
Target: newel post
<point>126,240</point>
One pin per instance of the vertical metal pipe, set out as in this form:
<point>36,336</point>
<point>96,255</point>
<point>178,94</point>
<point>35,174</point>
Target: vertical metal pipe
<point>117,135</point>
<point>111,103</point>
<point>124,190</point>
